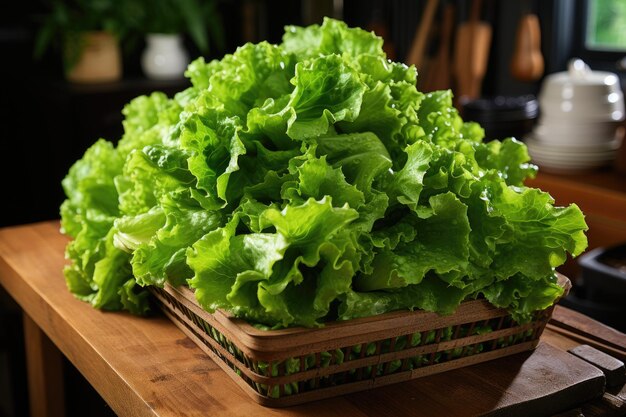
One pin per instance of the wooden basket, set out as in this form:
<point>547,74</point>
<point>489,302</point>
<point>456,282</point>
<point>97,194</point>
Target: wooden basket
<point>279,368</point>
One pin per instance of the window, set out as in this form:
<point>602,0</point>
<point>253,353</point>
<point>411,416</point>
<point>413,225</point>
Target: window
<point>606,25</point>
<point>600,30</point>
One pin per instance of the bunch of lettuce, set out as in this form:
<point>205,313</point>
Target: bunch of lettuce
<point>310,181</point>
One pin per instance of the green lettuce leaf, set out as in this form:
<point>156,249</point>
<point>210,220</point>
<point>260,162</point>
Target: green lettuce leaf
<point>361,156</point>
<point>309,181</point>
<point>440,245</point>
<point>431,294</point>
<point>266,276</point>
<point>510,158</point>
<point>162,258</point>
<point>333,37</point>
<point>405,186</point>
<point>540,234</point>
<point>327,90</point>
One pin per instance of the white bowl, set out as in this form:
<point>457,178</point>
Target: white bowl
<point>581,161</point>
<point>572,158</point>
<point>581,94</point>
<point>546,145</point>
<point>578,134</point>
<point>565,157</point>
<point>583,111</point>
<point>564,167</point>
<point>545,160</point>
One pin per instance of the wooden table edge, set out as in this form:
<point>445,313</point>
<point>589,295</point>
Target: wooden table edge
<point>51,322</point>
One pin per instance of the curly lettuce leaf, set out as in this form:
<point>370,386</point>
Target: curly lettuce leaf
<point>307,181</point>
<point>509,158</point>
<point>431,294</point>
<point>332,37</point>
<point>440,245</point>
<point>405,185</point>
<point>163,257</point>
<point>327,90</point>
<point>269,277</point>
<point>540,234</point>
<point>89,185</point>
<point>361,156</point>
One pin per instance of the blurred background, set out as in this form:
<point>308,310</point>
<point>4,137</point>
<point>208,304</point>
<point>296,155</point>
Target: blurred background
<point>52,110</point>
<point>69,67</point>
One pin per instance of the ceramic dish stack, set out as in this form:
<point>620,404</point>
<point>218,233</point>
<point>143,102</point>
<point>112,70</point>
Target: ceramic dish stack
<point>579,127</point>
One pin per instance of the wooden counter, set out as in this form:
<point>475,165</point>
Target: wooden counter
<point>147,367</point>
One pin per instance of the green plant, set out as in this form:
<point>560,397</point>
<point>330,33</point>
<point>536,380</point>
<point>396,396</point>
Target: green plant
<point>197,18</point>
<point>308,181</point>
<point>62,26</point>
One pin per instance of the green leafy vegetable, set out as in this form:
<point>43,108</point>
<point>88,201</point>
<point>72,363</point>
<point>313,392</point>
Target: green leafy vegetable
<point>310,181</point>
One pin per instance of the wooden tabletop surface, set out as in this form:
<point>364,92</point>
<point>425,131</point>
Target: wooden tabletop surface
<point>148,367</point>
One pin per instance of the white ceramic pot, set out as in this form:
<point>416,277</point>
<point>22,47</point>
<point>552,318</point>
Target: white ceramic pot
<point>579,126</point>
<point>165,56</point>
<point>580,95</point>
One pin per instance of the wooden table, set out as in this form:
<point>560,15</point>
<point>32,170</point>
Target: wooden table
<point>147,367</point>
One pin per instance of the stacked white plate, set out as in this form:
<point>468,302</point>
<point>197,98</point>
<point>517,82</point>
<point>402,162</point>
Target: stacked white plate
<point>572,157</point>
<point>579,127</point>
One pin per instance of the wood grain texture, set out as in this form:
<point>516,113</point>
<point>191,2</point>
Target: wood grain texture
<point>565,339</point>
<point>140,366</point>
<point>579,323</point>
<point>612,368</point>
<point>471,391</point>
<point>147,367</point>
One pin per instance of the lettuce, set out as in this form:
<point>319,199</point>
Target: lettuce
<point>310,181</point>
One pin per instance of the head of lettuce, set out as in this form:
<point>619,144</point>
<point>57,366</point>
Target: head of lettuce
<point>310,181</point>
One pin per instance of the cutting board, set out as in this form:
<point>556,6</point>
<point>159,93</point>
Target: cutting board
<point>543,382</point>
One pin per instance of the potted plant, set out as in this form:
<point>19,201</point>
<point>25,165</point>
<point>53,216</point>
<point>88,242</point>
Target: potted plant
<point>88,34</point>
<point>165,22</point>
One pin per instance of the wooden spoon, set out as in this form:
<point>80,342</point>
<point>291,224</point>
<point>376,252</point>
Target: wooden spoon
<point>438,76</point>
<point>416,53</point>
<point>473,41</point>
<point>527,62</point>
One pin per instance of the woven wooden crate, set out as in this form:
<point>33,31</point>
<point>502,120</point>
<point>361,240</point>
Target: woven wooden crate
<point>279,368</point>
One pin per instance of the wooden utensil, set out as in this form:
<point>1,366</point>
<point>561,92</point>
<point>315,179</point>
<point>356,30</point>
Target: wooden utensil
<point>612,368</point>
<point>585,326</point>
<point>416,53</point>
<point>438,75</point>
<point>473,41</point>
<point>527,61</point>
